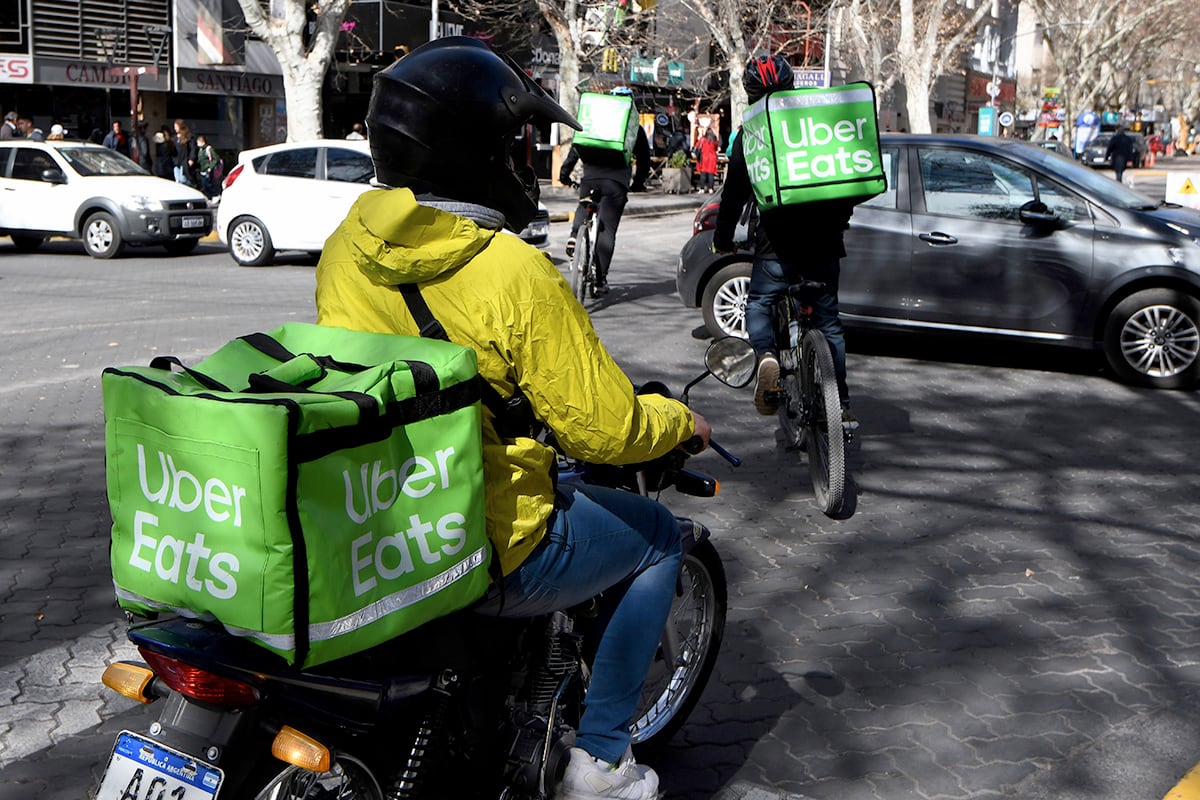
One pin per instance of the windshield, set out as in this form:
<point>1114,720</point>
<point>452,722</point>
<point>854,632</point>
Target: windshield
<point>89,161</point>
<point>1098,184</point>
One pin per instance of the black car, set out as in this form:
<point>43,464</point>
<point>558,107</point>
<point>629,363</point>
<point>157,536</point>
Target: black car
<point>981,235</point>
<point>1096,152</point>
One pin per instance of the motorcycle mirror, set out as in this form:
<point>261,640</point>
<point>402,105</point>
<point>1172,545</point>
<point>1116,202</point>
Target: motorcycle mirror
<point>732,361</point>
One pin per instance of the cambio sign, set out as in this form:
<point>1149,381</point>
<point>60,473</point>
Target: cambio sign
<point>16,69</point>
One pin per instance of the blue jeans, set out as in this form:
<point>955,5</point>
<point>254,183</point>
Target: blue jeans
<point>768,279</point>
<point>622,544</point>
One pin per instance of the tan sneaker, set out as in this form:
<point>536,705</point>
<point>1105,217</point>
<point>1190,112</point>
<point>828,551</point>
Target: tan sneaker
<point>766,398</point>
<point>588,778</point>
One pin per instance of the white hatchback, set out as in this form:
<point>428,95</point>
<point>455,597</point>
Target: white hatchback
<point>292,196</point>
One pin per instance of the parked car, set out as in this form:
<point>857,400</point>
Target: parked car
<point>979,235</point>
<point>88,192</point>
<point>292,196</point>
<point>1096,153</point>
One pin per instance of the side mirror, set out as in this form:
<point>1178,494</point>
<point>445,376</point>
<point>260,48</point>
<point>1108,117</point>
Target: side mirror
<point>732,361</point>
<point>1035,212</point>
<point>53,175</point>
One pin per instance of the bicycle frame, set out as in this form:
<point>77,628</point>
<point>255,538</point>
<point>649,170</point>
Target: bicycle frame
<point>583,273</point>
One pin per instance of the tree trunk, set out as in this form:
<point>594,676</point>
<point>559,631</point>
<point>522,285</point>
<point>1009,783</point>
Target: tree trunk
<point>302,93</point>
<point>917,104</point>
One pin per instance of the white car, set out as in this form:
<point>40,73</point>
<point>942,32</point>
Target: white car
<point>292,196</point>
<point>89,192</point>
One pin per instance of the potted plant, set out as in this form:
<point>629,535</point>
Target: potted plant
<point>677,174</point>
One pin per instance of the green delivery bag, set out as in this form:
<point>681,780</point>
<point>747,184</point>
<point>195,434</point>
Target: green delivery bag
<point>804,145</point>
<point>610,124</point>
<point>316,490</point>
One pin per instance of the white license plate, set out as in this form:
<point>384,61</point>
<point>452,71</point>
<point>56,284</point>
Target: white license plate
<point>141,769</point>
<point>194,222</point>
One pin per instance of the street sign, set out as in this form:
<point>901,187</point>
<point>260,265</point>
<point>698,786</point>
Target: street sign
<point>987,121</point>
<point>810,79</point>
<point>1181,189</point>
<point>1007,119</point>
<point>993,89</point>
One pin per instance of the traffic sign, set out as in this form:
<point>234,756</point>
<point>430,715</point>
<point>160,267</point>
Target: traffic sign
<point>1007,119</point>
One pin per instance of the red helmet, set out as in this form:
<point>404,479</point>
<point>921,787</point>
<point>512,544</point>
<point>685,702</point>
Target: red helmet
<point>766,74</point>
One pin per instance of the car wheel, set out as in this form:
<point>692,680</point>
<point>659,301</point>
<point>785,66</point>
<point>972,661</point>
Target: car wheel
<point>724,301</point>
<point>180,247</point>
<point>26,243</point>
<point>101,236</point>
<point>1152,338</point>
<point>249,243</point>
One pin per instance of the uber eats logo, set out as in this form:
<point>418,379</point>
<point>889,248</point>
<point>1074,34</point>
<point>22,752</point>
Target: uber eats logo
<point>187,511</point>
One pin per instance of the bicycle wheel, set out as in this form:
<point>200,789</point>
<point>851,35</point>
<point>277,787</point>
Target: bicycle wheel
<point>791,410</point>
<point>825,444</point>
<point>581,262</point>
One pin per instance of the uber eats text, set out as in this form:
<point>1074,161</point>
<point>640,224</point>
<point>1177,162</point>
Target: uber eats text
<point>188,557</point>
<point>799,139</point>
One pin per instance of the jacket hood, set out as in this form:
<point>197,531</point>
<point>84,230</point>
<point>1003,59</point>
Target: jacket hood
<point>396,240</point>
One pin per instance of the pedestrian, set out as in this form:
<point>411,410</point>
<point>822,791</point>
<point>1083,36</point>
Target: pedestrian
<point>211,167</point>
<point>57,133</point>
<point>790,242</point>
<point>440,138</point>
<point>186,156</point>
<point>30,131</point>
<point>139,147</point>
<point>116,139</point>
<point>96,136</point>
<point>706,160</point>
<point>9,129</point>
<point>1122,150</point>
<point>356,132</point>
<point>607,173</point>
<point>164,153</point>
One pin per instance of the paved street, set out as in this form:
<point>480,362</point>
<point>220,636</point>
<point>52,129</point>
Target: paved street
<point>1011,611</point>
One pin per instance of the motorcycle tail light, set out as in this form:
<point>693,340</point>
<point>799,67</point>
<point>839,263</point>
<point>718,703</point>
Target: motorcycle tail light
<point>131,680</point>
<point>199,684</point>
<point>300,750</point>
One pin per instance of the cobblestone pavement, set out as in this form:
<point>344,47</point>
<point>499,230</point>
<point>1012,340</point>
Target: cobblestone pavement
<point>1011,610</point>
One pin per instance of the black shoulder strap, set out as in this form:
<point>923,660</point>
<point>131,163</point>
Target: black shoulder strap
<point>513,417</point>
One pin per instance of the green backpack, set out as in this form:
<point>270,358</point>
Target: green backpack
<point>806,145</point>
<point>315,489</point>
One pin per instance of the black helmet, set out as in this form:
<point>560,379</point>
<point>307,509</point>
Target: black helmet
<point>766,74</point>
<point>442,120</point>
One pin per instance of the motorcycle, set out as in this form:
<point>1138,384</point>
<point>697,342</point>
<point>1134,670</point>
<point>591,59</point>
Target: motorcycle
<point>485,705</point>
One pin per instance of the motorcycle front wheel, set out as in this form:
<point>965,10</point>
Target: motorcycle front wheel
<point>688,651</point>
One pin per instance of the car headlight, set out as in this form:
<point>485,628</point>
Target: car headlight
<point>141,202</point>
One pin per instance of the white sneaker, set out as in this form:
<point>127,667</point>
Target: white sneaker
<point>588,778</point>
<point>766,400</point>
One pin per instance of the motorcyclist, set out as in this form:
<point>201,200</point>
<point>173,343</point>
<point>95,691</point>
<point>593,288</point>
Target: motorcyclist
<point>440,123</point>
<point>789,242</point>
<point>612,185</point>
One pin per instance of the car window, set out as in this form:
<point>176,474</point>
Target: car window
<point>348,166</point>
<point>29,163</point>
<point>961,183</point>
<point>1065,204</point>
<point>888,199</point>
<point>99,161</point>
<point>298,163</point>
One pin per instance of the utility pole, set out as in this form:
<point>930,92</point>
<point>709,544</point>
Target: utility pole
<point>433,20</point>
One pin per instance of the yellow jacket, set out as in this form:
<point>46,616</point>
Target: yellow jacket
<point>506,299</point>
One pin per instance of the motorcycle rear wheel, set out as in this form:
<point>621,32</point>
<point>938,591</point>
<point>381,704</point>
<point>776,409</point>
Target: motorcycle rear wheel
<point>697,623</point>
<point>347,779</point>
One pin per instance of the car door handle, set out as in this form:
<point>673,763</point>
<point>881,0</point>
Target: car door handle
<point>937,237</point>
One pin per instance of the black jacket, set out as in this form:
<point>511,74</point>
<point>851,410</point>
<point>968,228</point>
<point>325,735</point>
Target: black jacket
<point>622,174</point>
<point>800,235</point>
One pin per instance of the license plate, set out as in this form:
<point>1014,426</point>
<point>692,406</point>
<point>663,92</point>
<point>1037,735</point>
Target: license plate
<point>141,769</point>
<point>195,222</point>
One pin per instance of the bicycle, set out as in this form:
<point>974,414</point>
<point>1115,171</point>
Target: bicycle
<point>583,269</point>
<point>810,408</point>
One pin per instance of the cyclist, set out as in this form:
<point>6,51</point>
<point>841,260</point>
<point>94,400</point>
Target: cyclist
<point>610,178</point>
<point>790,242</point>
<point>441,121</point>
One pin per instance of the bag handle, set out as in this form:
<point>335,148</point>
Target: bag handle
<point>165,362</point>
<point>271,347</point>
